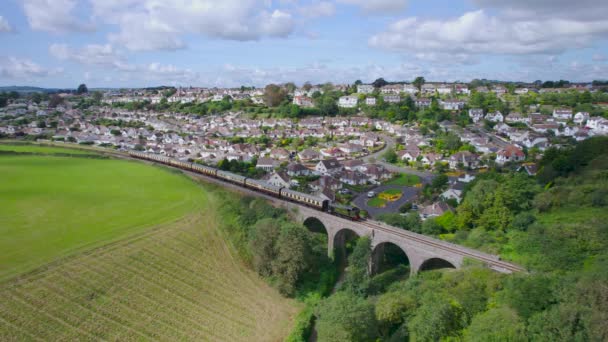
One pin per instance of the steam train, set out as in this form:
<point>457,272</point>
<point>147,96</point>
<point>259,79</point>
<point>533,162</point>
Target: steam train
<point>284,193</point>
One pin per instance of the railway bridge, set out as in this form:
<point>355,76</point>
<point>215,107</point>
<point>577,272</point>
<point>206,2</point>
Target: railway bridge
<point>423,252</point>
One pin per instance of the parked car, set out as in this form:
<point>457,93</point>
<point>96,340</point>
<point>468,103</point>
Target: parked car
<point>371,194</point>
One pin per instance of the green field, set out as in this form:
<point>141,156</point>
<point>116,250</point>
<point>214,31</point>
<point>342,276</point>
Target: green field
<point>102,249</point>
<point>404,179</point>
<point>391,192</point>
<point>40,149</point>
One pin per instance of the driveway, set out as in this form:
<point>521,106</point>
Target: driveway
<point>409,195</point>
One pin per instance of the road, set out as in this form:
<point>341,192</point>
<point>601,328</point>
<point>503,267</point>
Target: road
<point>389,142</point>
<point>409,194</point>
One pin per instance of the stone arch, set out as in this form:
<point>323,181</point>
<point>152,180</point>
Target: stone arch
<point>315,225</point>
<point>435,264</point>
<point>386,255</point>
<point>340,240</point>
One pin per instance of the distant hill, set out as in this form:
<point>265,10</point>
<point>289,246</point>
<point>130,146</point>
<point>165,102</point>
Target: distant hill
<point>28,89</point>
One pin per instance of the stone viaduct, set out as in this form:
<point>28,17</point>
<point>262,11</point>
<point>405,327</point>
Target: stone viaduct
<point>423,252</point>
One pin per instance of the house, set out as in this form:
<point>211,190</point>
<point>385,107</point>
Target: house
<point>365,89</point>
<point>353,177</point>
<point>279,153</point>
<point>303,101</point>
<point>454,192</point>
<point>325,182</point>
<point>392,98</point>
<point>508,154</point>
<point>308,155</point>
<point>353,164</point>
<point>476,114</point>
<point>598,125</point>
<point>348,101</point>
<point>530,168</point>
<point>444,89</point>
<point>562,113</point>
<point>279,179</point>
<point>423,103</point>
<point>495,117</point>
<point>581,117</point>
<point>465,159</point>
<point>410,89</point>
<point>351,148</point>
<point>297,170</point>
<point>376,172</point>
<point>267,164</point>
<point>516,118</point>
<point>453,104</point>
<point>370,101</point>
<point>434,210</point>
<point>332,152</point>
<point>328,167</point>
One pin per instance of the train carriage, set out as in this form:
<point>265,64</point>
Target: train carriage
<point>231,177</point>
<point>309,200</point>
<point>263,186</point>
<point>209,171</point>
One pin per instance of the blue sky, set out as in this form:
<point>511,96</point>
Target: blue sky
<point>133,43</point>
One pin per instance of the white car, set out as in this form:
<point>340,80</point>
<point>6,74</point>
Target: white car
<point>371,194</point>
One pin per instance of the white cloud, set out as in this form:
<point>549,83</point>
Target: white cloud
<point>54,16</point>
<point>318,9</point>
<point>530,9</point>
<point>599,58</point>
<point>23,69</point>
<point>92,54</point>
<point>479,33</point>
<point>378,6</point>
<point>4,25</point>
<point>158,25</point>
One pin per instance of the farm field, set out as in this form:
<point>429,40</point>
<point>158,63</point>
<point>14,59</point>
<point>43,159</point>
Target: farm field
<point>54,206</point>
<point>100,249</point>
<point>40,149</point>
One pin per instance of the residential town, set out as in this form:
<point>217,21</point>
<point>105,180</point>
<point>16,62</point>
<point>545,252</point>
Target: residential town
<point>343,156</point>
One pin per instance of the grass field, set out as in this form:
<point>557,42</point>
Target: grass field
<point>404,179</point>
<point>99,249</point>
<point>40,149</point>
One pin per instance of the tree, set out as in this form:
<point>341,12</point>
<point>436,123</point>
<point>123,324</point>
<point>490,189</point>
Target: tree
<point>357,275</point>
<point>97,96</point>
<point>346,317</point>
<point>437,318</point>
<point>274,95</point>
<point>262,243</point>
<point>293,257</point>
<point>497,324</point>
<point>390,155</point>
<point>307,86</point>
<point>55,101</point>
<point>358,82</point>
<point>418,82</point>
<point>379,83</point>
<point>82,89</point>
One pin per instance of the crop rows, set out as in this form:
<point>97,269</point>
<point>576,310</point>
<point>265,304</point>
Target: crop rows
<point>177,282</point>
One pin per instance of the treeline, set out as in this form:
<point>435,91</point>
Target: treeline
<point>289,256</point>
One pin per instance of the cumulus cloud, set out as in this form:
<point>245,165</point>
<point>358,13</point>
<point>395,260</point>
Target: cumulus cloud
<point>23,69</point>
<point>318,9</point>
<point>158,25</point>
<point>479,33</point>
<point>581,9</point>
<point>54,16</point>
<point>92,54</point>
<point>4,25</point>
<point>378,6</point>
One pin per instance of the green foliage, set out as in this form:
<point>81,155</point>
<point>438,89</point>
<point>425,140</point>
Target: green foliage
<point>390,156</point>
<point>497,324</point>
<point>409,222</point>
<point>346,317</point>
<point>357,275</point>
<point>436,318</point>
<point>82,89</point>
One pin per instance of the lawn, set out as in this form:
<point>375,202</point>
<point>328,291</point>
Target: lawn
<point>30,148</point>
<point>404,179</point>
<point>53,206</point>
<point>101,249</point>
<point>376,202</point>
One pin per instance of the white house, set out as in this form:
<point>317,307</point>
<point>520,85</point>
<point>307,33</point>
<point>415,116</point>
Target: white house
<point>444,89</point>
<point>495,117</point>
<point>476,114</point>
<point>581,117</point>
<point>279,179</point>
<point>365,88</point>
<point>410,89</point>
<point>328,167</point>
<point>510,153</point>
<point>392,98</point>
<point>347,101</point>
<point>454,191</point>
<point>370,101</point>
<point>452,104</point>
<point>562,113</point>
